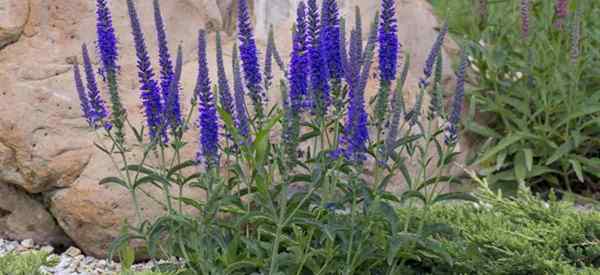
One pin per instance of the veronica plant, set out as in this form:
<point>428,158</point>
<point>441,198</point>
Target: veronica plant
<point>313,199</point>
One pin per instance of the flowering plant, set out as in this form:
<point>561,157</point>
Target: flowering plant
<point>284,203</point>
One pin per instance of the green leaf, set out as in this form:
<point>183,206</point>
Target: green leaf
<point>139,168</point>
<point>455,196</point>
<point>528,159</point>
<point>578,171</point>
<point>560,152</point>
<point>481,130</point>
<point>413,194</point>
<point>520,166</point>
<point>503,144</point>
<point>114,180</point>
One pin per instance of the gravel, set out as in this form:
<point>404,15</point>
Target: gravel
<point>72,261</point>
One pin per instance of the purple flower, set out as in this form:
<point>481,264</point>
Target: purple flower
<point>330,38</point>
<point>249,58</point>
<point>388,41</point>
<point>239,98</point>
<point>297,77</point>
<point>298,84</point>
<point>97,106</point>
<point>268,73</point>
<point>343,43</point>
<point>561,9</point>
<point>172,113</point>
<point>166,73</point>
<point>150,92</point>
<point>107,40</point>
<point>83,97</point>
<point>358,28</point>
<point>107,46</point>
<point>356,132</point>
<point>224,90</point>
<point>319,74</point>
<point>398,110</point>
<point>451,133</point>
<point>209,127</point>
<point>436,49</point>
<point>525,8</point>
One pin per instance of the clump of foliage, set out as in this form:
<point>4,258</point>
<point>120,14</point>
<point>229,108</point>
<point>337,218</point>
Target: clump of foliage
<point>520,235</point>
<point>299,188</point>
<point>28,263</point>
<point>536,84</point>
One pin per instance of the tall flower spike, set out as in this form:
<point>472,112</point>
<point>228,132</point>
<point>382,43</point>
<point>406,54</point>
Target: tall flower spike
<point>388,41</point>
<point>268,72</point>
<point>561,9</point>
<point>249,58</point>
<point>107,40</point>
<point>172,111</point>
<point>298,83</point>
<point>436,103</point>
<point>107,46</point>
<point>330,38</point>
<point>240,99</point>
<point>150,92</point>
<point>576,36</point>
<point>356,133</point>
<point>451,133</point>
<point>166,72</point>
<point>343,43</point>
<point>431,58</point>
<point>224,90</point>
<point>358,28</point>
<point>209,127</point>
<point>97,106</point>
<point>388,58</point>
<point>319,74</point>
<point>84,103</point>
<point>525,9</point>
<point>398,110</point>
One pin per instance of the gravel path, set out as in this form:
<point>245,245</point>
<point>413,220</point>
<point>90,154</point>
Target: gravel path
<point>70,262</point>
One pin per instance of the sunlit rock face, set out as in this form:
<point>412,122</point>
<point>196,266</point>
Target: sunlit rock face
<point>46,148</point>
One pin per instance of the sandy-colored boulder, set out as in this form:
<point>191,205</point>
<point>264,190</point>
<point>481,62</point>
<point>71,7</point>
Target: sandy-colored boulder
<point>13,16</point>
<point>22,217</point>
<point>46,147</point>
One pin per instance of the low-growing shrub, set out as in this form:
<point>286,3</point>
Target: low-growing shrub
<point>536,89</point>
<point>27,263</point>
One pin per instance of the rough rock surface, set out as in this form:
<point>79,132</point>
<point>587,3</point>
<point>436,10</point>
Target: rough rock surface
<point>46,148</point>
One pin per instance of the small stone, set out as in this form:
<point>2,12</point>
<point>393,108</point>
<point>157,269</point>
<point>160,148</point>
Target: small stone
<point>48,249</point>
<point>73,251</point>
<point>28,243</point>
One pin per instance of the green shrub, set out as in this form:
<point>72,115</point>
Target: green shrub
<point>27,263</point>
<point>538,95</point>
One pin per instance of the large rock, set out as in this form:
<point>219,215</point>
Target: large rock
<point>22,217</point>
<point>46,147</point>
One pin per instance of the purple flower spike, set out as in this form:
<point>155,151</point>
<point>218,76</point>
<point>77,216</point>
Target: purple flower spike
<point>209,127</point>
<point>319,74</point>
<point>561,12</point>
<point>330,38</point>
<point>83,97</point>
<point>150,92</point>
<point>249,58</point>
<point>240,99</point>
<point>268,72</point>
<point>224,90</point>
<point>356,132</point>
<point>432,57</point>
<point>388,41</point>
<point>172,110</point>
<point>97,106</point>
<point>451,133</point>
<point>297,77</point>
<point>167,74</point>
<point>107,40</point>
<point>525,9</point>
